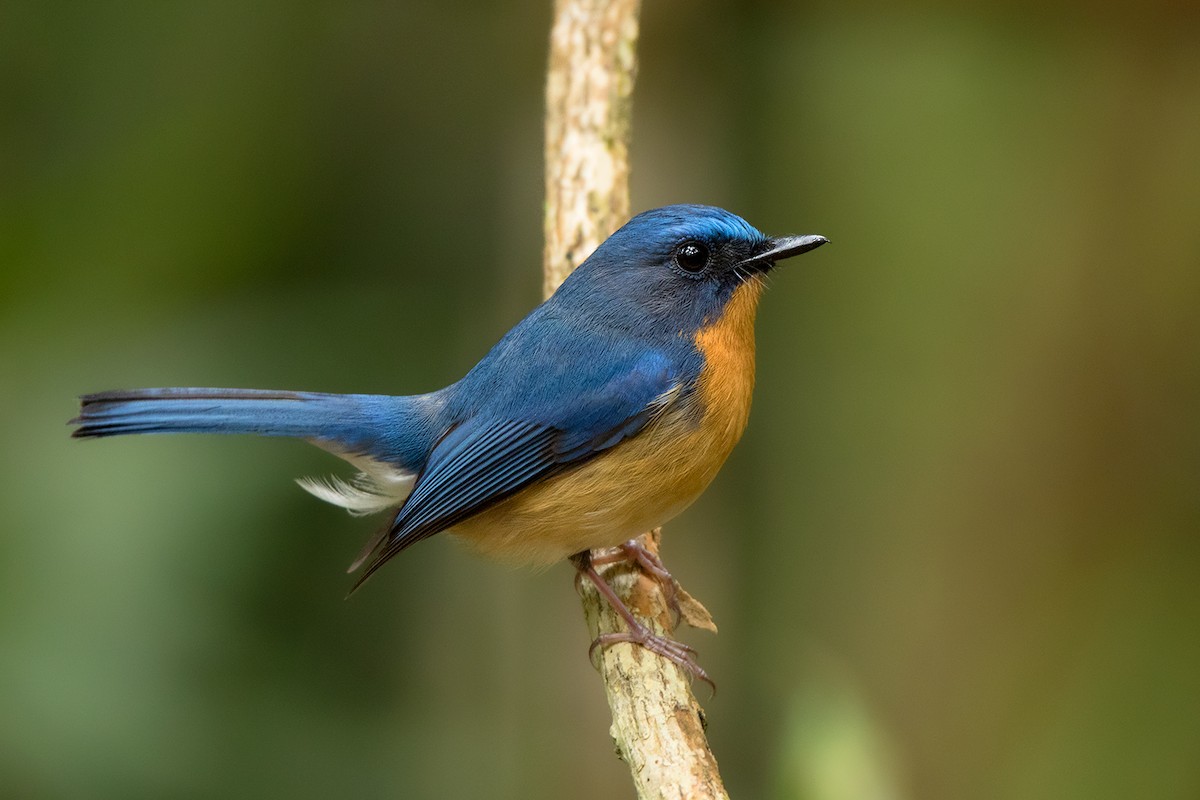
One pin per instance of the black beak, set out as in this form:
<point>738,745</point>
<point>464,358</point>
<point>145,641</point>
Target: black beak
<point>785,247</point>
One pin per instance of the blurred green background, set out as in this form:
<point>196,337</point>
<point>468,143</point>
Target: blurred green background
<point>956,555</point>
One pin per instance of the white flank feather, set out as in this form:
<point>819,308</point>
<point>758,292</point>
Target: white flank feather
<point>377,488</point>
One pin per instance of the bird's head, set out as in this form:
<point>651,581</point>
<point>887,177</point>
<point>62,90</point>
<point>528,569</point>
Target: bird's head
<point>677,267</point>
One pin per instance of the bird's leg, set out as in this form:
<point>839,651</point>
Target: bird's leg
<point>633,550</point>
<point>638,633</point>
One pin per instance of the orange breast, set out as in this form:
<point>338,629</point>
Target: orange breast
<point>645,481</point>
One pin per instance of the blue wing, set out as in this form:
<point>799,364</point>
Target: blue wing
<point>486,459</point>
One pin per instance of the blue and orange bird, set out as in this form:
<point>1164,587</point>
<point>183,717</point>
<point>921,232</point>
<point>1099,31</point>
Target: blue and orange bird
<point>601,415</point>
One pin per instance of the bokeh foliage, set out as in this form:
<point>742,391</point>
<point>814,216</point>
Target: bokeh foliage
<point>955,557</point>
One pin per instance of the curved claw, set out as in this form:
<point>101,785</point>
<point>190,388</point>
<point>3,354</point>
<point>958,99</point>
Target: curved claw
<point>668,648</point>
<point>678,653</point>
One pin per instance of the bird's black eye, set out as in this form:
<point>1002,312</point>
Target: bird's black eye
<point>692,256</point>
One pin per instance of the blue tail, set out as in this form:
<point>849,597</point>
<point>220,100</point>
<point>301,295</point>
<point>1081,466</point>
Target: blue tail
<point>386,428</point>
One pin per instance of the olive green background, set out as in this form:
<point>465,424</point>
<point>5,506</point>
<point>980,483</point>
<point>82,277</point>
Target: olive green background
<point>956,555</point>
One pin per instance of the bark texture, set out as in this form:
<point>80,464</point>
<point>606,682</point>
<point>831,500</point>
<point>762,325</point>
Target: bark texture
<point>589,96</point>
<point>658,727</point>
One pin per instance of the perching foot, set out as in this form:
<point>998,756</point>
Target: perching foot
<point>633,550</point>
<point>676,652</point>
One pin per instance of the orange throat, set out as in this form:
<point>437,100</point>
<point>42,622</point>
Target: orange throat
<point>727,381</point>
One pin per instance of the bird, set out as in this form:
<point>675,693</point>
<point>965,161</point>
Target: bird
<point>602,414</point>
